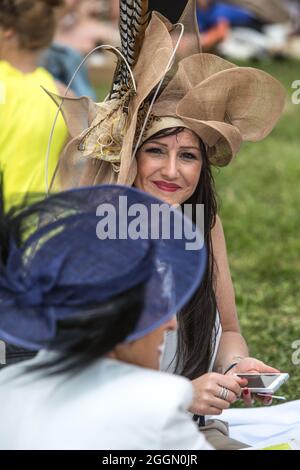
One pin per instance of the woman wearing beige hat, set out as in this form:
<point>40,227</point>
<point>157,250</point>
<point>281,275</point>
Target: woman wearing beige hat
<point>162,132</point>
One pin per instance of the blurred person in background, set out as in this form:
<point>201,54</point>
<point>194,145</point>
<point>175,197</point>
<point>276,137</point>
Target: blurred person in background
<point>244,29</point>
<point>61,59</point>
<point>216,19</point>
<point>26,112</point>
<point>268,11</point>
<point>82,25</point>
<point>210,13</point>
<point>292,48</point>
<point>294,8</point>
<point>113,8</point>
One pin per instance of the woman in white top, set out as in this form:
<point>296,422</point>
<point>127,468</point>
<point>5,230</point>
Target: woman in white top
<point>99,309</point>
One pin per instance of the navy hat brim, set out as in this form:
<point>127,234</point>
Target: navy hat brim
<point>62,265</point>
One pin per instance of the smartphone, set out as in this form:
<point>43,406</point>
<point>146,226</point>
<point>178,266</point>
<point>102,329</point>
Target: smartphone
<point>264,383</point>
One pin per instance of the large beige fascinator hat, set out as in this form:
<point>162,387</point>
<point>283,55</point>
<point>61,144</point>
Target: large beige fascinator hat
<point>159,85</point>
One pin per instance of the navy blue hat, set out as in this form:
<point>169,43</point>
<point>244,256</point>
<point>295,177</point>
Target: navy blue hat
<point>83,247</point>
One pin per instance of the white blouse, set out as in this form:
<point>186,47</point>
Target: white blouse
<point>108,405</point>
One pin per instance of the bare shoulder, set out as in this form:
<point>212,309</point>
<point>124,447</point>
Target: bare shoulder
<point>218,237</point>
<point>218,230</point>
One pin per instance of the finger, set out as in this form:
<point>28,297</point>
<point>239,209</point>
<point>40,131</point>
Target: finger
<point>260,398</point>
<point>268,369</point>
<point>214,411</point>
<point>241,381</point>
<point>220,404</point>
<point>231,397</point>
<point>247,397</point>
<point>255,366</point>
<point>266,400</point>
<point>230,383</point>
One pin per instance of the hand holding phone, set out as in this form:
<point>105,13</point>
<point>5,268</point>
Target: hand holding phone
<point>266,383</point>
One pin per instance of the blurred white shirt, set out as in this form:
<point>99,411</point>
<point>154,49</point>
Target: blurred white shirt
<point>108,405</point>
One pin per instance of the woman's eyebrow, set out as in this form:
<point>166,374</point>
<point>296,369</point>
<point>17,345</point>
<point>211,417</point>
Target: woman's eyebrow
<point>155,142</point>
<point>190,147</point>
<point>166,145</point>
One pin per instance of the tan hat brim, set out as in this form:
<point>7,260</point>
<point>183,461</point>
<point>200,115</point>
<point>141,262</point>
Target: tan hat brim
<point>241,104</point>
<point>223,140</point>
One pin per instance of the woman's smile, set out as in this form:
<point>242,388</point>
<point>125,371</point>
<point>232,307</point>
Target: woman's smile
<point>168,187</point>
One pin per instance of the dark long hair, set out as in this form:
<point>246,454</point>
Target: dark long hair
<point>197,320</point>
<point>90,335</point>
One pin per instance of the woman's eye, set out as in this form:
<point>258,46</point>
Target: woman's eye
<point>189,156</point>
<point>155,150</point>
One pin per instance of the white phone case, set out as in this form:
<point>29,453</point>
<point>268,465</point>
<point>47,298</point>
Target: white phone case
<point>278,381</point>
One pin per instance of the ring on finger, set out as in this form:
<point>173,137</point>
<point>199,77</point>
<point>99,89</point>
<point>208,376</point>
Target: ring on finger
<point>224,393</point>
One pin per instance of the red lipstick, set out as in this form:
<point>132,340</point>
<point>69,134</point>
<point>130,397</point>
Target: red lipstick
<point>169,187</point>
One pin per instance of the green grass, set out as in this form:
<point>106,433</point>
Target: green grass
<point>260,196</point>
